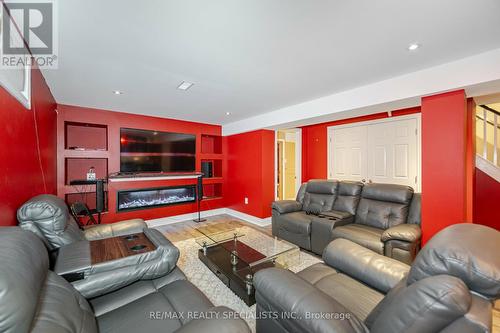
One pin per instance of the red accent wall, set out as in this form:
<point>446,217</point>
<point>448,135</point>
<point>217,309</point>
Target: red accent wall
<point>486,201</point>
<point>250,172</point>
<point>315,145</point>
<point>114,121</point>
<point>444,162</point>
<point>27,168</point>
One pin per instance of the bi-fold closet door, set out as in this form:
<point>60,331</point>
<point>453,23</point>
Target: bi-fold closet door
<point>385,151</point>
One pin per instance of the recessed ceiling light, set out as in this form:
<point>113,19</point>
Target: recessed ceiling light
<point>117,92</point>
<point>228,113</point>
<point>185,85</point>
<point>413,47</point>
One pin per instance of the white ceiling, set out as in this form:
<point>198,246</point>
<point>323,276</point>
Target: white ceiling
<point>252,57</point>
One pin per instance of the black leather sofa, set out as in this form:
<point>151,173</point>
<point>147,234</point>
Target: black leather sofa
<point>382,217</point>
<point>35,299</point>
<point>449,288</point>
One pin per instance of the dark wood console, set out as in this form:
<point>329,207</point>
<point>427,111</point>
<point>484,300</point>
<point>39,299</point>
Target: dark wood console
<point>119,247</point>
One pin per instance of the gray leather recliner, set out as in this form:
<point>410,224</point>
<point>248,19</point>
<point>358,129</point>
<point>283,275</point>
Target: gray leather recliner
<point>48,217</point>
<point>34,299</point>
<point>449,288</point>
<point>292,218</point>
<point>382,217</point>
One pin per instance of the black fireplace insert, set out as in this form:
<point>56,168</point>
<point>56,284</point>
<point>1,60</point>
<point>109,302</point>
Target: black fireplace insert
<point>155,197</point>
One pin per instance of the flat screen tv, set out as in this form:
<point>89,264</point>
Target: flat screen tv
<point>153,151</point>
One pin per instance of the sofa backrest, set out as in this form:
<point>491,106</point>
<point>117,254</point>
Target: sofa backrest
<point>415,213</point>
<point>348,196</point>
<point>384,205</point>
<point>32,298</point>
<point>319,195</point>
<point>48,217</point>
<point>448,286</point>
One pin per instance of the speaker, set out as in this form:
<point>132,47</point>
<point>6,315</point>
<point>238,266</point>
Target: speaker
<point>207,169</point>
<point>100,204</point>
<point>199,188</point>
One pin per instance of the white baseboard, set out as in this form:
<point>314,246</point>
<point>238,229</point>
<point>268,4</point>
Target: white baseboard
<point>190,216</point>
<point>249,218</point>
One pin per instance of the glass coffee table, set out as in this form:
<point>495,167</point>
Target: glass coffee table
<point>235,256</point>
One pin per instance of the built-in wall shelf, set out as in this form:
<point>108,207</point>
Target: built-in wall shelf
<point>212,191</point>
<point>85,136</point>
<point>211,144</point>
<point>77,168</point>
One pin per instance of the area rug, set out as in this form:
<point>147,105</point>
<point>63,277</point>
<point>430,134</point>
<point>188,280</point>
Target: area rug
<point>213,288</point>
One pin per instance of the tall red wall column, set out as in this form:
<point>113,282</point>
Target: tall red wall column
<point>250,172</point>
<point>27,148</point>
<point>444,162</point>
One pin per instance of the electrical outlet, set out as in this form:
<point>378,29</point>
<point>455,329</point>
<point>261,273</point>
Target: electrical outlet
<point>246,201</point>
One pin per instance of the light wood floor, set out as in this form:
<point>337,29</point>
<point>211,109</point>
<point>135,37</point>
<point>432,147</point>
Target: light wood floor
<point>185,230</point>
<point>496,317</point>
<point>188,229</point>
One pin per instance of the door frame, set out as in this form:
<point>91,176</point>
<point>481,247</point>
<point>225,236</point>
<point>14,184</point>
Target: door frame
<point>416,116</point>
<point>298,159</point>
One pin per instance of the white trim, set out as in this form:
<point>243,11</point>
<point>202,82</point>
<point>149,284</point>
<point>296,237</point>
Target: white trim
<point>136,179</point>
<point>207,213</point>
<point>22,96</point>
<point>478,75</point>
<point>488,168</point>
<point>261,222</point>
<point>282,166</point>
<point>298,159</point>
<point>416,116</point>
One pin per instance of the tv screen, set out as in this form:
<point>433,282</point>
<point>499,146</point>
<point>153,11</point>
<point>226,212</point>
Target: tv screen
<point>153,151</point>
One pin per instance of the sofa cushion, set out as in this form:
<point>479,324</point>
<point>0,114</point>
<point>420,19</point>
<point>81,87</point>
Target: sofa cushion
<point>363,235</point>
<point>381,214</point>
<point>388,193</point>
<point>320,195</point>
<point>297,222</point>
<point>109,302</point>
<point>23,270</point>
<point>428,305</point>
<point>353,295</point>
<point>348,196</point>
<point>48,217</point>
<point>165,310</point>
<point>62,309</point>
<point>466,251</point>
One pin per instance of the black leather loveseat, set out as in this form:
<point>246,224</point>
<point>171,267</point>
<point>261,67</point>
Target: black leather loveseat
<point>384,218</point>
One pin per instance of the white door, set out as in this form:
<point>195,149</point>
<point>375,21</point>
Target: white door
<point>385,151</point>
<point>348,153</point>
<point>392,153</point>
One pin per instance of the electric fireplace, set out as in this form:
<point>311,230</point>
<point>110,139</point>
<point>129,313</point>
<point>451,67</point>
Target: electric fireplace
<point>155,197</point>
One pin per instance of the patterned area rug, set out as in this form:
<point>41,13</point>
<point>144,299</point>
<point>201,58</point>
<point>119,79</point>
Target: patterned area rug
<point>213,288</point>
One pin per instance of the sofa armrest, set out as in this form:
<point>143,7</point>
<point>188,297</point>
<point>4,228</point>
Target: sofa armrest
<point>287,206</point>
<point>404,232</point>
<point>216,320</point>
<point>108,276</point>
<point>376,270</point>
<point>299,306</point>
<point>115,229</point>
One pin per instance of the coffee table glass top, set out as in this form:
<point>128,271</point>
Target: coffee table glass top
<point>252,248</point>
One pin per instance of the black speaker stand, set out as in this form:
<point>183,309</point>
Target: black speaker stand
<point>199,219</point>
